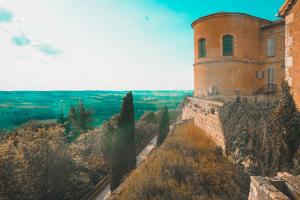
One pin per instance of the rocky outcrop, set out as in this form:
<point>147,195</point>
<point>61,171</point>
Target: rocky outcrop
<point>282,187</point>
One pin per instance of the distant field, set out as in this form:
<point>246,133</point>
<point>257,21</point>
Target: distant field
<point>18,107</point>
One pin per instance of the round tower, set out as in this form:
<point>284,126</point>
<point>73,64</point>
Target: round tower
<point>227,48</point>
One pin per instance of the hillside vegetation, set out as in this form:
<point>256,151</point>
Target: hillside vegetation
<point>269,142</point>
<point>187,166</point>
<point>39,162</point>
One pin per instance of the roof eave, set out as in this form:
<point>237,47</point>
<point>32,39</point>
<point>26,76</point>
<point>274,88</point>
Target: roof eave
<point>228,13</point>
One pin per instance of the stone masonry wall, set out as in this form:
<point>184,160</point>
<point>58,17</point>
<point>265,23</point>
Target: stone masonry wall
<point>282,187</point>
<point>206,116</point>
<point>292,43</point>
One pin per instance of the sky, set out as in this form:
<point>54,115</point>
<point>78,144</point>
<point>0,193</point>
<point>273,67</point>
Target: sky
<point>106,44</point>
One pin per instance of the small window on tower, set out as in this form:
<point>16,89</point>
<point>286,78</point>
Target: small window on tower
<point>228,42</point>
<point>202,48</point>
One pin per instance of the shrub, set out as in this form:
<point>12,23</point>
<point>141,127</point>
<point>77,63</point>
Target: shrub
<point>35,164</point>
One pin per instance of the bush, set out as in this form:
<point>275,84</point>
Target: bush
<point>35,164</point>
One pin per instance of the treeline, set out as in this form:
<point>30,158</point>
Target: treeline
<point>65,160</point>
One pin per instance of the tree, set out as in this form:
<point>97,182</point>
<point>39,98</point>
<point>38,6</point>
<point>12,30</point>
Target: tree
<point>123,158</point>
<point>61,118</point>
<point>79,120</point>
<point>84,117</point>
<point>163,126</point>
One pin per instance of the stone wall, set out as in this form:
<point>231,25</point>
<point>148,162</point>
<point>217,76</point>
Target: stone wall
<point>206,116</point>
<point>292,43</point>
<point>282,187</point>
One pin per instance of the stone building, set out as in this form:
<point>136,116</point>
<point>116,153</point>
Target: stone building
<point>291,12</point>
<point>238,54</point>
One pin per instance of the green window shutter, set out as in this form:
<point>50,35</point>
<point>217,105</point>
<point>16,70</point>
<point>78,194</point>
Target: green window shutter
<point>228,45</point>
<point>201,48</point>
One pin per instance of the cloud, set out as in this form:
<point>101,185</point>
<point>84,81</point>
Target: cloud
<point>21,40</point>
<point>5,15</point>
<point>48,49</point>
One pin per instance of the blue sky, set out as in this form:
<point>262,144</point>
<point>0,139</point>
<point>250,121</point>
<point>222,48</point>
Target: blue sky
<point>105,44</point>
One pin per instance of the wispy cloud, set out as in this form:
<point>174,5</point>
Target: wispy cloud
<point>21,40</point>
<point>48,49</point>
<point>5,15</point>
<point>13,28</point>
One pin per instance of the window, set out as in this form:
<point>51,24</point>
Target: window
<point>201,48</point>
<point>271,75</point>
<point>271,48</point>
<point>260,74</point>
<point>228,45</point>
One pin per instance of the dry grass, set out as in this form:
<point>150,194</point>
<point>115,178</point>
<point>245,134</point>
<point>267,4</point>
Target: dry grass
<point>187,166</point>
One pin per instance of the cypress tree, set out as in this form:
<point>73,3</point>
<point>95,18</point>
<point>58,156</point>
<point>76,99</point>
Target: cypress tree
<point>123,158</point>
<point>84,118</point>
<point>79,119</point>
<point>61,118</point>
<point>163,126</point>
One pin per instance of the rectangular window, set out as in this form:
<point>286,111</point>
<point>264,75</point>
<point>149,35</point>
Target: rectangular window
<point>271,75</point>
<point>202,48</point>
<point>271,48</point>
<point>228,45</point>
<point>260,74</point>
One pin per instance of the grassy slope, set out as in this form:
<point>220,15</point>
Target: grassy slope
<point>187,166</point>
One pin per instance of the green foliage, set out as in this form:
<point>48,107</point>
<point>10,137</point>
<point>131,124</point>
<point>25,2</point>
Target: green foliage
<point>79,120</point>
<point>187,167</point>
<point>107,141</point>
<point>35,164</point>
<point>163,126</point>
<point>61,118</point>
<point>123,158</point>
<point>283,134</point>
<point>149,117</point>
<point>271,139</point>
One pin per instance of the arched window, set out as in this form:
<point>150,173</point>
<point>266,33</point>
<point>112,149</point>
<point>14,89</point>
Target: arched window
<point>228,41</point>
<point>201,48</point>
